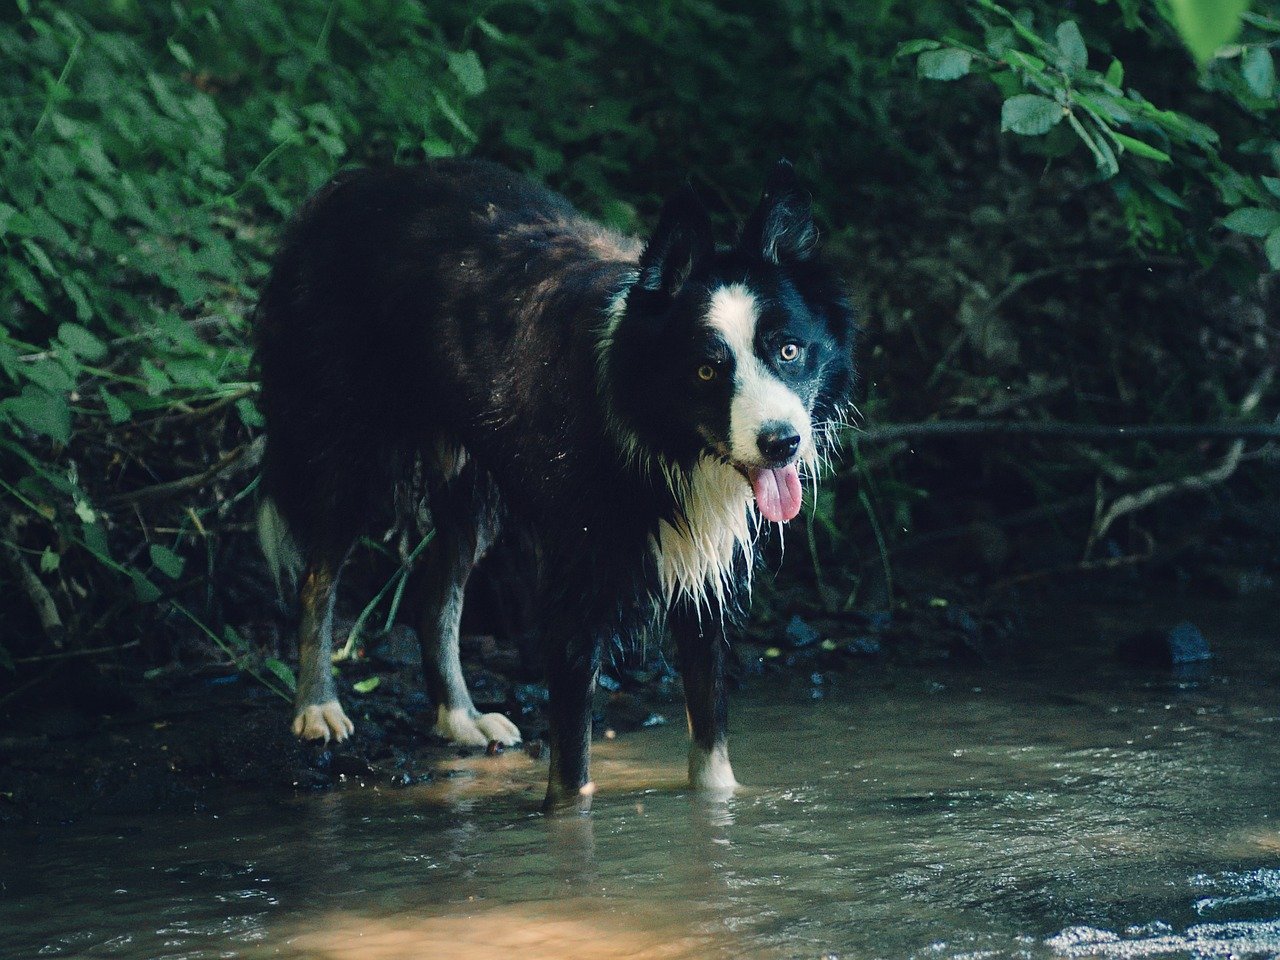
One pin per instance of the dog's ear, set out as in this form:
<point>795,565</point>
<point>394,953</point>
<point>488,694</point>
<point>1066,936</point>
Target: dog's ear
<point>781,229</point>
<point>680,244</point>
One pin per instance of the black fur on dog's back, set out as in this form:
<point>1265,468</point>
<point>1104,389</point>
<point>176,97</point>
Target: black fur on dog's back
<point>451,305</point>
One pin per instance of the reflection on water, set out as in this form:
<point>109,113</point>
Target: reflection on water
<point>1062,808</point>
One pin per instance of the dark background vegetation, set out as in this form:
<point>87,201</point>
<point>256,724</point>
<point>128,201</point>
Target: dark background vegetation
<point>1049,213</point>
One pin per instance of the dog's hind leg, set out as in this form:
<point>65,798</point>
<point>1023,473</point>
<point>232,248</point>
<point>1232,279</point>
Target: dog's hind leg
<point>318,714</point>
<point>464,511</point>
<point>572,663</point>
<point>701,646</point>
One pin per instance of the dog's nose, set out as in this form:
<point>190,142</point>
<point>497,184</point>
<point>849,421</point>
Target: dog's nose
<point>778,442</point>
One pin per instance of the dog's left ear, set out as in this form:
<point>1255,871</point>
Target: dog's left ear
<point>781,229</point>
<point>681,243</point>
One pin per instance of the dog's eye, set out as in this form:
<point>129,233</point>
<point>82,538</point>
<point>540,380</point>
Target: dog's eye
<point>706,372</point>
<point>789,352</point>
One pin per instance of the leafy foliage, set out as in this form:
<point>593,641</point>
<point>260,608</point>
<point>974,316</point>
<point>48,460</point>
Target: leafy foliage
<point>149,153</point>
<point>1046,79</point>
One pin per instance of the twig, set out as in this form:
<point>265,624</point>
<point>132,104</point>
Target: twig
<point>37,593</point>
<point>1070,431</point>
<point>68,654</point>
<point>1083,566</point>
<point>1141,499</point>
<point>244,457</point>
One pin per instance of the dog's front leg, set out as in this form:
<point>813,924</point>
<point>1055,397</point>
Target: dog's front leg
<point>701,646</point>
<point>572,664</point>
<point>318,714</point>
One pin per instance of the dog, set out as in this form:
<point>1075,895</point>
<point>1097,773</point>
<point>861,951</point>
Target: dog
<point>641,410</point>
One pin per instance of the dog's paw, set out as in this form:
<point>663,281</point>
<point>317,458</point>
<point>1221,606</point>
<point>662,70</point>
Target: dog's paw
<point>497,727</point>
<point>468,728</point>
<point>322,721</point>
<point>710,772</point>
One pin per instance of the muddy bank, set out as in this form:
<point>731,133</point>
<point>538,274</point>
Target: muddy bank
<point>91,735</point>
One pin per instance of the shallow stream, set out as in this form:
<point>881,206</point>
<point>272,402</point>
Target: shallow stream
<point>1060,807</point>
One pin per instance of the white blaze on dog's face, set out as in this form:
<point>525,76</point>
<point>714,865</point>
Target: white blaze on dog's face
<point>728,366</point>
<point>769,424</point>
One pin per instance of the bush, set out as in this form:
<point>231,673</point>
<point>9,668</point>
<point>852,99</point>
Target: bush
<point>1087,220</point>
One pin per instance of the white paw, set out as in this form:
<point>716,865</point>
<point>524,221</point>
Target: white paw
<point>709,770</point>
<point>470,728</point>
<point>497,727</point>
<point>320,721</point>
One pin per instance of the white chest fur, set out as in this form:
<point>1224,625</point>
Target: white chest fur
<point>696,558</point>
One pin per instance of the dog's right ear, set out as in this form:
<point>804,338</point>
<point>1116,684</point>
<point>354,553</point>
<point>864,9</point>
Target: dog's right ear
<point>680,244</point>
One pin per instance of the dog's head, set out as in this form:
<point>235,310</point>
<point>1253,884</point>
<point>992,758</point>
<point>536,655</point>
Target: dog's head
<point>743,353</point>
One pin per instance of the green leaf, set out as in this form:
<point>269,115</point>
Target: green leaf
<point>50,374</point>
<point>1205,25</point>
<point>282,672</point>
<point>42,412</point>
<point>1272,246</point>
<point>1115,74</point>
<point>912,47</point>
<point>454,118</point>
<point>81,341</point>
<point>1075,55</point>
<point>49,561</point>
<point>180,54</point>
<point>1272,184</point>
<point>166,561</point>
<point>1030,115</point>
<point>1259,71</point>
<point>469,70</point>
<point>367,685</point>
<point>949,64</point>
<point>1164,194</point>
<point>1140,149</point>
<point>11,221</point>
<point>144,589</point>
<point>116,408</point>
<point>95,541</point>
<point>1252,221</point>
<point>249,414</point>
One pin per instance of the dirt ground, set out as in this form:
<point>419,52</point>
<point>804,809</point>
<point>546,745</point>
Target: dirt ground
<point>113,736</point>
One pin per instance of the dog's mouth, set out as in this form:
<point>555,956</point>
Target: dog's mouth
<point>776,489</point>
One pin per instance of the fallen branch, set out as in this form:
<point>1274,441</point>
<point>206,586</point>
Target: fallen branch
<point>244,457</point>
<point>1050,429</point>
<point>69,654</point>
<point>1141,499</point>
<point>1083,566</point>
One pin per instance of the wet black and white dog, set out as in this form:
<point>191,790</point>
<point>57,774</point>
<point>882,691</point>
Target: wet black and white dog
<point>640,410</point>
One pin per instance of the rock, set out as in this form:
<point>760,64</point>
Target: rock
<point>864,646</point>
<point>1187,644</point>
<point>801,634</point>
<point>1180,646</point>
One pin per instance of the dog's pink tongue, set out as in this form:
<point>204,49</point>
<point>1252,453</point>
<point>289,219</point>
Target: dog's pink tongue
<point>777,493</point>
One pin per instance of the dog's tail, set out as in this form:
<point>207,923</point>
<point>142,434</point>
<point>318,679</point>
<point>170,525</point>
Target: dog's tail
<point>278,547</point>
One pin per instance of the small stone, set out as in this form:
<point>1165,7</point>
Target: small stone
<point>800,634</point>
<point>1187,644</point>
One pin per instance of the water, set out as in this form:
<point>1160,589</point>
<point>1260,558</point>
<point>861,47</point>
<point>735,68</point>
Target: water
<point>1061,808</point>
